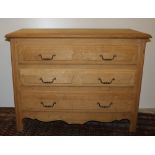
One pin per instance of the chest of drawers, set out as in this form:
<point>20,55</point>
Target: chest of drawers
<point>77,75</point>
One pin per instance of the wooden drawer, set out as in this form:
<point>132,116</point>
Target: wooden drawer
<point>76,52</point>
<point>55,101</point>
<point>77,77</point>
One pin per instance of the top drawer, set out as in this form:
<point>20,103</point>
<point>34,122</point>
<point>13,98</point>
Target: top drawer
<point>76,52</point>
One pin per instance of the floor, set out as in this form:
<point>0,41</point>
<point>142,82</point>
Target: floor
<point>145,126</point>
<point>147,110</point>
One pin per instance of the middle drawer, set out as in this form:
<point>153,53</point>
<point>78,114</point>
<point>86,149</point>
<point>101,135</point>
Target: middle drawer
<point>77,77</point>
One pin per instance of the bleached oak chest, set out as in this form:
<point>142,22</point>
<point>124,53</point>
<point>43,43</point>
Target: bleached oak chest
<point>77,75</point>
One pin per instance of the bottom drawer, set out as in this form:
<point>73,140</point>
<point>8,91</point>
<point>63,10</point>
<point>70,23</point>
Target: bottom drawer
<point>99,102</point>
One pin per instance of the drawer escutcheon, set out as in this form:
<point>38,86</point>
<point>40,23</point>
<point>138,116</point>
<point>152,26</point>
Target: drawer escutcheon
<point>46,58</point>
<point>108,59</point>
<point>47,82</point>
<point>106,82</point>
<point>104,106</point>
<point>48,106</point>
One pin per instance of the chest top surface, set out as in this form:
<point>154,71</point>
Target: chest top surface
<point>79,33</point>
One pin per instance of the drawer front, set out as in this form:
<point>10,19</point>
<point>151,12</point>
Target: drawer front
<point>55,101</point>
<point>77,77</point>
<point>75,52</point>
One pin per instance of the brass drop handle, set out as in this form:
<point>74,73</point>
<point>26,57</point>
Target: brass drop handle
<point>108,59</point>
<point>106,82</point>
<point>48,106</point>
<point>47,82</point>
<point>104,106</point>
<point>46,59</point>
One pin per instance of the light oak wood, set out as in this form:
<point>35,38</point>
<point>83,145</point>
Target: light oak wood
<point>76,117</point>
<point>77,75</point>
<point>56,101</point>
<point>78,33</point>
<point>16,86</point>
<point>51,52</point>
